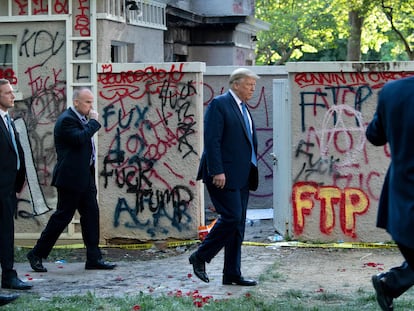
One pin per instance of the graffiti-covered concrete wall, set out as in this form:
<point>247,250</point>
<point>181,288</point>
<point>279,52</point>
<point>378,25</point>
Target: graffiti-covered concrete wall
<point>337,175</point>
<point>41,46</point>
<point>149,149</point>
<point>40,83</point>
<point>151,141</point>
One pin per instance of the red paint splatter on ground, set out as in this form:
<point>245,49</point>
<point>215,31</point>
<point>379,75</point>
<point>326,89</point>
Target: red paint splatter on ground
<point>379,266</point>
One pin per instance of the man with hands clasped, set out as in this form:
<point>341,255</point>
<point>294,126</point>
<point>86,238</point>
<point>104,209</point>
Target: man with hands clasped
<point>74,178</point>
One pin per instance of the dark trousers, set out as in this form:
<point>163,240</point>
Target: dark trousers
<point>68,202</point>
<point>228,232</point>
<point>399,279</point>
<point>8,203</point>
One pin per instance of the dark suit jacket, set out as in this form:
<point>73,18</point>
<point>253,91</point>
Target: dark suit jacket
<point>393,123</point>
<point>11,178</point>
<point>74,149</point>
<point>227,147</point>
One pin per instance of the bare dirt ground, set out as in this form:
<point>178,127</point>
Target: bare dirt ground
<point>167,271</point>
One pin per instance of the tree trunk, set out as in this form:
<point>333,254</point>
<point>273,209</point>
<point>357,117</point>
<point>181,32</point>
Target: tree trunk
<point>354,40</point>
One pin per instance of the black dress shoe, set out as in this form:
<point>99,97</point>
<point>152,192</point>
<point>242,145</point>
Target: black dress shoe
<point>99,265</point>
<point>384,300</point>
<point>35,262</point>
<point>199,267</point>
<point>15,283</point>
<point>231,280</point>
<point>5,299</point>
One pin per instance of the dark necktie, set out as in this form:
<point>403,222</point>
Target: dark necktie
<point>92,160</point>
<point>13,138</point>
<point>247,123</point>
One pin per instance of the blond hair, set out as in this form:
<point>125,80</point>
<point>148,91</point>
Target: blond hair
<point>241,73</point>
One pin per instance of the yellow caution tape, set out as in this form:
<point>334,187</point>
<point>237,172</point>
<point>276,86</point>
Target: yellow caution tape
<point>63,246</point>
<point>255,244</point>
<point>333,245</point>
<point>182,243</point>
<point>141,246</point>
<point>144,246</point>
<point>129,246</point>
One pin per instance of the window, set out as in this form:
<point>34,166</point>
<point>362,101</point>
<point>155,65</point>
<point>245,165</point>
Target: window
<point>8,59</point>
<point>180,58</point>
<point>119,52</point>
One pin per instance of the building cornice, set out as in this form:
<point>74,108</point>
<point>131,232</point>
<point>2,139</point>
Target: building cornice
<point>180,17</point>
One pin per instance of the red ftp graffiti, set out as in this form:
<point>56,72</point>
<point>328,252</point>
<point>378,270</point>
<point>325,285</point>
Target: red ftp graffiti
<point>351,202</point>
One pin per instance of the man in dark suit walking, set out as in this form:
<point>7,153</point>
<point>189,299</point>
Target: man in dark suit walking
<point>393,124</point>
<point>228,167</point>
<point>13,174</point>
<point>74,178</point>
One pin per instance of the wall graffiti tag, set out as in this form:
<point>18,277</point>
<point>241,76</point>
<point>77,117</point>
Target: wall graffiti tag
<point>334,171</point>
<point>148,144</point>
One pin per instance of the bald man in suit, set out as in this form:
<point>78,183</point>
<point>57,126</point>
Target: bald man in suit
<point>74,179</point>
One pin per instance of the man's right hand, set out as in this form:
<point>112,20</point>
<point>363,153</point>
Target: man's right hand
<point>219,180</point>
<point>93,114</point>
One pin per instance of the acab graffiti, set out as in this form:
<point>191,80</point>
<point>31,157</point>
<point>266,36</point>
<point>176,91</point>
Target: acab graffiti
<point>152,127</point>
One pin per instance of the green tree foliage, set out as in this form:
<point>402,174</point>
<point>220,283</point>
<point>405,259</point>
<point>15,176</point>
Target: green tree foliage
<point>297,27</point>
<point>400,15</point>
<point>322,30</point>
